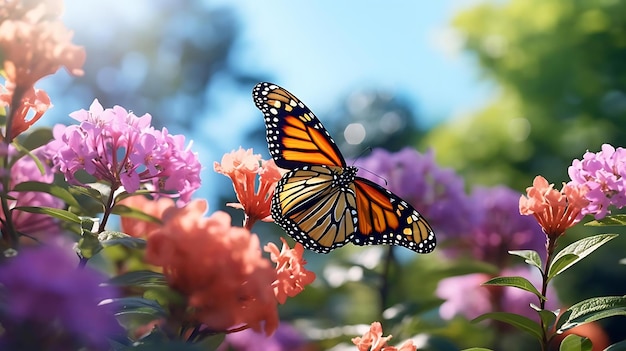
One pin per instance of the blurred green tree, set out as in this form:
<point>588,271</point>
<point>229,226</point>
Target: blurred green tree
<point>157,57</point>
<point>561,71</point>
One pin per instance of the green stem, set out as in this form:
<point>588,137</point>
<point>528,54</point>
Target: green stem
<point>550,248</point>
<point>108,208</point>
<point>9,234</point>
<point>385,278</point>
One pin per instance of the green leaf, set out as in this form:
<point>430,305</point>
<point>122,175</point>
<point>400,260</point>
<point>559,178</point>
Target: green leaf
<point>516,282</point>
<point>37,138</point>
<point>477,349</point>
<point>131,212</point>
<point>124,194</point>
<point>111,238</point>
<point>38,163</point>
<point>613,220</point>
<point>145,279</point>
<point>581,248</point>
<point>561,263</point>
<point>137,304</point>
<point>52,189</point>
<point>88,223</point>
<point>574,342</point>
<point>87,191</point>
<point>520,322</point>
<point>103,189</point>
<point>547,317</point>
<point>88,245</point>
<point>7,196</point>
<point>620,346</point>
<point>54,212</point>
<point>594,309</point>
<point>530,256</point>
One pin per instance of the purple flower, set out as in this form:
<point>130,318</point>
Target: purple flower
<point>285,338</point>
<point>48,303</point>
<point>34,225</point>
<point>604,174</point>
<point>119,148</point>
<point>466,296</point>
<point>437,193</point>
<point>500,228</point>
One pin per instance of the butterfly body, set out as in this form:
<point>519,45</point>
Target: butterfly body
<point>321,202</point>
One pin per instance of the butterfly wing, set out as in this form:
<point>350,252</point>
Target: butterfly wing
<point>313,210</point>
<point>320,202</point>
<point>384,218</point>
<point>295,137</point>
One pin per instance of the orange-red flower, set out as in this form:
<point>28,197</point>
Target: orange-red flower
<point>242,167</point>
<point>554,210</point>
<point>373,340</point>
<point>155,208</point>
<point>219,268</point>
<point>34,47</point>
<point>34,43</point>
<point>35,102</point>
<point>292,277</point>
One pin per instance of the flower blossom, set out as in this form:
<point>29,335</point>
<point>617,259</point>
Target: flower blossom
<point>604,175</point>
<point>437,193</point>
<point>34,44</point>
<point>55,306</point>
<point>499,228</point>
<point>121,149</point>
<point>141,228</point>
<point>37,45</point>
<point>286,338</point>
<point>34,103</point>
<point>242,167</point>
<point>373,340</point>
<point>218,268</point>
<point>292,277</point>
<point>555,210</point>
<point>39,226</point>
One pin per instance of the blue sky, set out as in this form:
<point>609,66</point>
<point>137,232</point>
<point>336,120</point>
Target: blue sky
<point>322,49</point>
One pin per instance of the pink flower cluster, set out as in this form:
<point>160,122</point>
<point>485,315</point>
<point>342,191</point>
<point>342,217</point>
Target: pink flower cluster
<point>119,148</point>
<point>604,175</point>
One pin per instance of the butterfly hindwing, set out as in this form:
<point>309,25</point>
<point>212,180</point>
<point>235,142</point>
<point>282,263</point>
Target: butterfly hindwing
<point>295,137</point>
<point>384,218</point>
<point>312,210</point>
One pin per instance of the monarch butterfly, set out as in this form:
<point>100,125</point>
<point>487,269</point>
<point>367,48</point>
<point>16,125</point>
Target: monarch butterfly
<point>320,201</point>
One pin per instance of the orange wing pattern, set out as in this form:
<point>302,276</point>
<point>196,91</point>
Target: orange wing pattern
<point>295,137</point>
<point>320,202</point>
<point>385,218</point>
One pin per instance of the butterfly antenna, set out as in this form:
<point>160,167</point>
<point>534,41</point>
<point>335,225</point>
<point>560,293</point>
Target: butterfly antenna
<point>368,149</point>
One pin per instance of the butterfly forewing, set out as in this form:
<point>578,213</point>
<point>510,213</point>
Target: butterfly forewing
<point>295,137</point>
<point>312,210</point>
